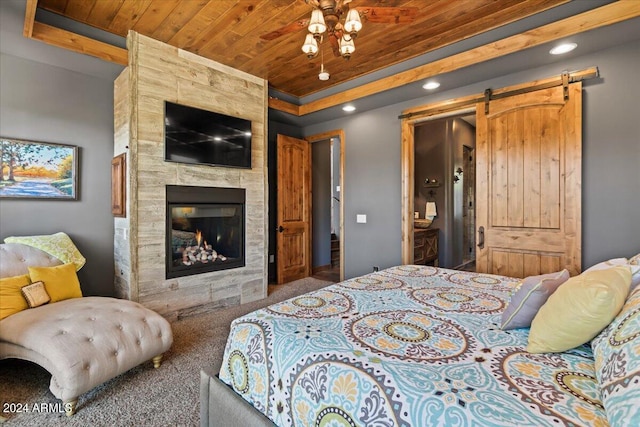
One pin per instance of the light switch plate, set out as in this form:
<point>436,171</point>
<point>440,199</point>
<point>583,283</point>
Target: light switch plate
<point>361,218</point>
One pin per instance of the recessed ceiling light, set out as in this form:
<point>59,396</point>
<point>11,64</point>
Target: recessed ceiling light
<point>217,138</point>
<point>247,134</point>
<point>431,85</point>
<point>563,48</point>
<point>348,108</point>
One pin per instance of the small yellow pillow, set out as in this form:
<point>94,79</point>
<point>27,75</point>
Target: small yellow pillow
<point>61,281</point>
<point>580,308</point>
<point>11,299</point>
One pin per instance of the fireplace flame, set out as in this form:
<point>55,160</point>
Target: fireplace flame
<point>198,237</point>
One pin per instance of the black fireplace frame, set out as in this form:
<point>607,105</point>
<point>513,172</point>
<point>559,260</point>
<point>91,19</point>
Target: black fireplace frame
<point>194,196</point>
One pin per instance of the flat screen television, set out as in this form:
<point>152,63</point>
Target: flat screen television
<point>196,136</point>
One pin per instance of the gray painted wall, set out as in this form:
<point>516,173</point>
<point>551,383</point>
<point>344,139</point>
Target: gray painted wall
<point>611,155</point>
<point>45,103</point>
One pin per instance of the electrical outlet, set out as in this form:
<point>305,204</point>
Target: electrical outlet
<point>272,259</point>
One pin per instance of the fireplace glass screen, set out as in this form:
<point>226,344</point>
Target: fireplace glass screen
<point>205,237</point>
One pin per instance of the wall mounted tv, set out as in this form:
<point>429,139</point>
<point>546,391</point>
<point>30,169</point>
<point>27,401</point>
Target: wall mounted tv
<point>196,136</point>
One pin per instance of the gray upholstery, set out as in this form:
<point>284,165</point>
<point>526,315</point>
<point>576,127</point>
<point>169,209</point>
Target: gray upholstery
<point>82,342</point>
<point>15,259</point>
<point>220,406</point>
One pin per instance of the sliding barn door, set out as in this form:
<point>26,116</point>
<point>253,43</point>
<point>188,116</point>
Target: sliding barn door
<point>529,158</point>
<point>293,238</point>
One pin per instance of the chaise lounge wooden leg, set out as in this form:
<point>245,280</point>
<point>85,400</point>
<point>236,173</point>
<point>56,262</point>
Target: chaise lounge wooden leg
<point>157,361</point>
<point>70,407</point>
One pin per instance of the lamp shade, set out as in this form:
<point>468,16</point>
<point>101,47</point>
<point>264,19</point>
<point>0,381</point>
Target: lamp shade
<point>353,24</point>
<point>347,47</point>
<point>310,46</point>
<point>316,24</point>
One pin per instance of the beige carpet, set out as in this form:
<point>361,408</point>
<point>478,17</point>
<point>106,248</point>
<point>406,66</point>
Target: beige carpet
<point>143,396</point>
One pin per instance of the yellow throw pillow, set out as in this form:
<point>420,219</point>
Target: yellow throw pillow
<point>580,308</point>
<point>61,281</point>
<point>11,299</point>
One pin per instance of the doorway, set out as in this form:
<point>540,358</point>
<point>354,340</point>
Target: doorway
<point>444,177</point>
<point>325,230</point>
<point>327,234</point>
<point>314,204</point>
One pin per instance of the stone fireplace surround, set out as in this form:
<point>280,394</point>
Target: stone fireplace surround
<point>157,73</point>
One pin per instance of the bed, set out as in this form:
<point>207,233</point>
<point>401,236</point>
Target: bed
<point>415,346</point>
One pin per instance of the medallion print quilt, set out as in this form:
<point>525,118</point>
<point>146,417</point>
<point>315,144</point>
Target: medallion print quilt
<point>407,346</point>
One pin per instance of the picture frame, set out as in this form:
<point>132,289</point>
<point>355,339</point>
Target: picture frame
<point>34,170</point>
<point>118,185</point>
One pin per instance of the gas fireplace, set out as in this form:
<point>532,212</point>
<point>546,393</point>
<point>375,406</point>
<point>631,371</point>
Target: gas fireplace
<point>205,229</point>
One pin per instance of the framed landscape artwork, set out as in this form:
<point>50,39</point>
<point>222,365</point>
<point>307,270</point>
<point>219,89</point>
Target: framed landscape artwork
<point>38,170</point>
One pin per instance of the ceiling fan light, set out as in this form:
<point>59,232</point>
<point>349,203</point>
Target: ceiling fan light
<point>323,75</point>
<point>347,47</point>
<point>352,23</point>
<point>316,24</point>
<point>310,46</point>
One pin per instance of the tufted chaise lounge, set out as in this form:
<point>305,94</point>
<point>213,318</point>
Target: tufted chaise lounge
<point>82,342</point>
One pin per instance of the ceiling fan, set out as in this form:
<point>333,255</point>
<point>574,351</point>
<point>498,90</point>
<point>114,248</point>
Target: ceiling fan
<point>326,16</point>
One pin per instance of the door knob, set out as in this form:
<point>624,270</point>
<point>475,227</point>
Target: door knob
<point>280,229</point>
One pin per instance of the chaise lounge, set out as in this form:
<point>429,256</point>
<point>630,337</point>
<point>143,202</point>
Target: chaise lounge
<point>82,342</point>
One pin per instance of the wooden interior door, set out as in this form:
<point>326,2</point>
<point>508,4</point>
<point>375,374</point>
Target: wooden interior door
<point>528,188</point>
<point>293,238</point>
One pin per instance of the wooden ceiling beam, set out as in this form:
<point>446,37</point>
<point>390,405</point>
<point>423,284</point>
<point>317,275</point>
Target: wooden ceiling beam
<point>29,18</point>
<point>284,106</point>
<point>78,43</point>
<point>605,15</point>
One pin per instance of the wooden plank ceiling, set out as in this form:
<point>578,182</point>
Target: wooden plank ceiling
<point>229,32</point>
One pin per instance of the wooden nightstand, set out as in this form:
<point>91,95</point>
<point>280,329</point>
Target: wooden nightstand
<point>425,246</point>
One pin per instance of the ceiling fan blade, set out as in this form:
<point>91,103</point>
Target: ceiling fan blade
<point>287,29</point>
<point>388,15</point>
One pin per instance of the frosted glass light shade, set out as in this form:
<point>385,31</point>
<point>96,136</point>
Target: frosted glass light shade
<point>347,47</point>
<point>317,25</point>
<point>310,46</point>
<point>353,24</point>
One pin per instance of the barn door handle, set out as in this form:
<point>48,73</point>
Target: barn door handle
<point>280,229</point>
<point>481,237</point>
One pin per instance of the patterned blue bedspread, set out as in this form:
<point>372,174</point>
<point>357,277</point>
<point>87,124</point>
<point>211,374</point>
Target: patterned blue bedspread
<point>407,346</point>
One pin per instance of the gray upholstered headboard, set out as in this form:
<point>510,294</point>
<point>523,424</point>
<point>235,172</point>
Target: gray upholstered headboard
<point>15,258</point>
